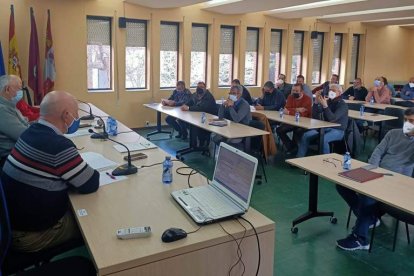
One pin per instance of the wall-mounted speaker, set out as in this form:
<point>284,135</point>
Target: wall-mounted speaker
<point>314,35</point>
<point>122,22</point>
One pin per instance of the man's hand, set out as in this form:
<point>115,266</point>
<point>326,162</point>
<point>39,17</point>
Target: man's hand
<point>185,107</point>
<point>228,103</point>
<point>259,107</point>
<point>285,111</point>
<point>301,109</point>
<point>320,99</point>
<point>351,98</point>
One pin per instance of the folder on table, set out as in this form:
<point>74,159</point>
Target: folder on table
<point>360,175</point>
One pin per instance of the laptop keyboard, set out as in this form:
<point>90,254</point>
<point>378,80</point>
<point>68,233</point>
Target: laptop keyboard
<point>211,202</point>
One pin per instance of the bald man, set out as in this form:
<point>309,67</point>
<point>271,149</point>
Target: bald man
<point>40,169</point>
<point>12,122</point>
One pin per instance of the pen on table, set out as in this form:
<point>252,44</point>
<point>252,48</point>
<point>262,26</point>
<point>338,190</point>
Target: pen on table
<point>110,175</point>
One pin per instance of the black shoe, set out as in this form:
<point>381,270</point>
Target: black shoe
<point>292,151</point>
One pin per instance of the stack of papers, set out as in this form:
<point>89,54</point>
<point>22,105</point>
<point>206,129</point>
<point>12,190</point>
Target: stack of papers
<point>106,177</point>
<point>136,146</point>
<point>97,161</point>
<point>79,132</point>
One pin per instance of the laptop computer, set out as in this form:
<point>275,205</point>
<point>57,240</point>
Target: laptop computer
<point>230,191</point>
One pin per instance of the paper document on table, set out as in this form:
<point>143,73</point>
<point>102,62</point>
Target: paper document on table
<point>252,108</point>
<point>140,145</point>
<point>79,132</point>
<point>106,177</point>
<point>97,161</point>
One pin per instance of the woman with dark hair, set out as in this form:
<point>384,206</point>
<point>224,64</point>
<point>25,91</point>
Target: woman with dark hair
<point>380,92</point>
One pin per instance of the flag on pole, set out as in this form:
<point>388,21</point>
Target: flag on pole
<point>2,69</point>
<point>34,73</point>
<point>49,69</point>
<point>13,63</point>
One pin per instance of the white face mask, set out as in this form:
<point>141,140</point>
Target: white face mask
<point>279,81</point>
<point>411,84</point>
<point>408,127</point>
<point>233,98</point>
<point>331,95</point>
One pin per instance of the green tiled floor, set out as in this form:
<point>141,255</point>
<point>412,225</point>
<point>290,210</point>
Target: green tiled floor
<point>312,250</point>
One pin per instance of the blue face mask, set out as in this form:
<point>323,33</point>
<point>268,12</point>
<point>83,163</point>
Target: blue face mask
<point>18,97</point>
<point>73,126</point>
<point>377,83</point>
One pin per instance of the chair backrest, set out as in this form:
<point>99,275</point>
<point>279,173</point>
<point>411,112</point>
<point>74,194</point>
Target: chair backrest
<point>257,142</point>
<point>354,106</point>
<point>392,124</point>
<point>5,230</point>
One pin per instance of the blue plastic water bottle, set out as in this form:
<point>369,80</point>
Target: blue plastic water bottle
<point>281,113</point>
<point>347,161</point>
<point>372,101</point>
<point>167,165</point>
<point>297,116</point>
<point>203,117</point>
<point>361,110</point>
<point>112,126</point>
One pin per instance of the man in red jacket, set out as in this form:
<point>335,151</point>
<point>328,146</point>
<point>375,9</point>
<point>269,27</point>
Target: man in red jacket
<point>30,112</point>
<point>297,101</point>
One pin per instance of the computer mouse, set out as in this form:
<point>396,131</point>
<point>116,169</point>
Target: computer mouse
<point>173,234</point>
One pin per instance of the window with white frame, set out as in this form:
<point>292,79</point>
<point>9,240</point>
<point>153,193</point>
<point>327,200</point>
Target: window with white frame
<point>99,53</point>
<point>169,35</point>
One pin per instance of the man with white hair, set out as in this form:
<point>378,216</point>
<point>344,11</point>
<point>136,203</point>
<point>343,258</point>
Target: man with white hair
<point>333,110</point>
<point>38,173</point>
<point>12,122</point>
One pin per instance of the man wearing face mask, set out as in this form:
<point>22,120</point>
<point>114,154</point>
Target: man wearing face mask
<point>333,110</point>
<point>38,173</point>
<point>271,98</point>
<point>296,102</point>
<point>380,91</point>
<point>407,92</point>
<point>324,87</point>
<point>394,153</point>
<point>202,101</point>
<point>282,86</point>
<point>12,123</point>
<point>356,92</point>
<point>180,96</point>
<point>246,93</point>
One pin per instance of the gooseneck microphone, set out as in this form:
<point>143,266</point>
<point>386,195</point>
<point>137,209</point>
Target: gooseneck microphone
<point>90,116</point>
<point>102,135</point>
<point>125,169</point>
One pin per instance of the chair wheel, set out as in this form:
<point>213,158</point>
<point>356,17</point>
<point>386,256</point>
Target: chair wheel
<point>333,220</point>
<point>294,230</point>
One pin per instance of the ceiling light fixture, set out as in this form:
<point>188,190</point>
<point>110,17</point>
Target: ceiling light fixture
<point>214,3</point>
<point>313,5</point>
<point>406,8</point>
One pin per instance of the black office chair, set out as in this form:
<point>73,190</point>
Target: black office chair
<point>399,215</point>
<point>14,262</point>
<point>256,147</point>
<point>392,124</point>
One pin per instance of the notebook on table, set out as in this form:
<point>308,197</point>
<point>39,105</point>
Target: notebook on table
<point>360,175</point>
<point>218,122</point>
<point>229,193</point>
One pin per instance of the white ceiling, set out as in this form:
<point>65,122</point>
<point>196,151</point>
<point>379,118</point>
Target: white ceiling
<point>375,12</point>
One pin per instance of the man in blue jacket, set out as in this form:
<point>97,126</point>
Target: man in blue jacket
<point>271,98</point>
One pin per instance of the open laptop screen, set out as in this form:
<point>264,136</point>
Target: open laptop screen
<point>235,173</point>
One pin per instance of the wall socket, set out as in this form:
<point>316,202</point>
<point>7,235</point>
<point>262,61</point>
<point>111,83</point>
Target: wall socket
<point>147,123</point>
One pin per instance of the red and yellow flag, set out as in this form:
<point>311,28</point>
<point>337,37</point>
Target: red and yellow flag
<point>14,62</point>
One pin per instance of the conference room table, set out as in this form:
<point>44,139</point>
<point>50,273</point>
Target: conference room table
<point>396,190</point>
<point>377,106</point>
<point>143,200</point>
<point>231,131</point>
<point>371,117</point>
<point>401,100</point>
<point>304,122</point>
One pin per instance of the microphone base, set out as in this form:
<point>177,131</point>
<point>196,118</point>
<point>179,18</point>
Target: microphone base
<point>125,170</point>
<point>87,117</point>
<point>99,136</point>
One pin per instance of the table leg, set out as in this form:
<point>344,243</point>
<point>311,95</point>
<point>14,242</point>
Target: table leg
<point>192,147</point>
<point>313,204</point>
<point>159,129</point>
<point>321,139</point>
<point>379,132</point>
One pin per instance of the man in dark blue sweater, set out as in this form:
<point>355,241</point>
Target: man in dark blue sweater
<point>333,110</point>
<point>38,173</point>
<point>271,99</point>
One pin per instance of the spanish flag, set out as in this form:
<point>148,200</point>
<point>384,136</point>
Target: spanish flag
<point>14,62</point>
